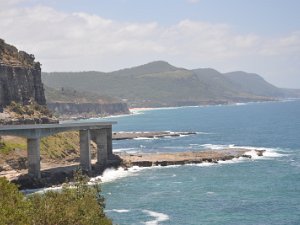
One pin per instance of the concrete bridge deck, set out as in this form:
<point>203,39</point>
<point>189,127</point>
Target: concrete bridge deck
<point>99,132</point>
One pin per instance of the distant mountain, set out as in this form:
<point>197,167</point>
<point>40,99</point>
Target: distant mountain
<point>152,67</point>
<point>254,84</point>
<point>159,84</point>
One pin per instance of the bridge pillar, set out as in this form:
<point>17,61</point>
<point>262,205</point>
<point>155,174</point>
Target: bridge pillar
<point>109,142</point>
<point>101,141</point>
<point>85,151</point>
<point>34,163</point>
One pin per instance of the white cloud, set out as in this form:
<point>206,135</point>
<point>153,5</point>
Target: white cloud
<point>81,41</point>
<point>5,3</point>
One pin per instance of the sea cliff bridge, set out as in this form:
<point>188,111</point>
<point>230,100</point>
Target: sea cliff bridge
<point>99,132</point>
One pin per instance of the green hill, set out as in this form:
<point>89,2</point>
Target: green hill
<point>254,84</point>
<point>159,84</point>
<point>66,95</point>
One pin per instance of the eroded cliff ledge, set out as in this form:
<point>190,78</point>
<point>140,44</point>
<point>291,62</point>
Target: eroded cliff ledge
<point>20,77</point>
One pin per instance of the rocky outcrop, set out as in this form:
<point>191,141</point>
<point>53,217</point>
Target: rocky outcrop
<point>151,134</point>
<point>20,77</point>
<point>88,109</point>
<point>182,158</point>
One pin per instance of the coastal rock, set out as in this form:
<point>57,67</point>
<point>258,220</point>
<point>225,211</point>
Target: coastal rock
<point>152,134</point>
<point>20,77</point>
<point>181,158</point>
<point>88,109</point>
<point>22,97</point>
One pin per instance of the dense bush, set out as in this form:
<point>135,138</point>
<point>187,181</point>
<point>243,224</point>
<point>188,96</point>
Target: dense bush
<point>79,204</point>
<point>14,208</point>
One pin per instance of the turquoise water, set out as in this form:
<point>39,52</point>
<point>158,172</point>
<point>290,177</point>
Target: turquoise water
<point>256,191</point>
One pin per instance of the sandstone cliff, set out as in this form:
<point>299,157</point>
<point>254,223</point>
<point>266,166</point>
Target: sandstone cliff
<point>88,109</point>
<point>20,77</point>
<point>72,103</point>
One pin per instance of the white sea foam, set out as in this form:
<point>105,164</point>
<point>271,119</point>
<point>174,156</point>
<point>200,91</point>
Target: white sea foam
<point>158,217</point>
<point>240,103</point>
<point>145,138</point>
<point>111,174</point>
<point>234,160</point>
<point>268,152</point>
<point>118,210</point>
<point>204,164</point>
<point>194,145</point>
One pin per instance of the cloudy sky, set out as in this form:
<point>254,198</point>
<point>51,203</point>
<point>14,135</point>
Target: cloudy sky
<point>260,36</point>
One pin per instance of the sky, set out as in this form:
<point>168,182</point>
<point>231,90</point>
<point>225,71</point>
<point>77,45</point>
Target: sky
<point>257,36</point>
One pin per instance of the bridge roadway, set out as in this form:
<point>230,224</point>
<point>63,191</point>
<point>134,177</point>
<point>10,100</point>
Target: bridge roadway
<point>99,132</point>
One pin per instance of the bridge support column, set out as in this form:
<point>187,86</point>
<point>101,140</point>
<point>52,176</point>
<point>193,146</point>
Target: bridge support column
<point>101,141</point>
<point>109,143</point>
<point>34,162</point>
<point>85,151</point>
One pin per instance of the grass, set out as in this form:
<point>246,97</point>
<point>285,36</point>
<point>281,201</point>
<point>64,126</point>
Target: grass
<point>58,146</point>
<point>8,146</point>
<point>61,145</point>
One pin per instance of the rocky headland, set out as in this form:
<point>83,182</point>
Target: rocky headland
<point>20,77</point>
<point>22,98</point>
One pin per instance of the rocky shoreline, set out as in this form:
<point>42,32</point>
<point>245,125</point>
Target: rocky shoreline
<point>57,171</point>
<point>182,158</point>
<point>150,135</point>
<point>55,174</point>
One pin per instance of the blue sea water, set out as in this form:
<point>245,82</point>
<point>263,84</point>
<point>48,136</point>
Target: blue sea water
<point>251,191</point>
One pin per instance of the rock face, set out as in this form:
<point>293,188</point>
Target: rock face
<point>89,108</point>
<point>20,77</point>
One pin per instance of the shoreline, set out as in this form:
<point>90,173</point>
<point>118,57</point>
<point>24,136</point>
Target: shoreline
<point>54,175</point>
<point>138,110</point>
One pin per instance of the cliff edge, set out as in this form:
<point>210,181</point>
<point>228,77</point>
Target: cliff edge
<point>20,77</point>
<point>22,97</point>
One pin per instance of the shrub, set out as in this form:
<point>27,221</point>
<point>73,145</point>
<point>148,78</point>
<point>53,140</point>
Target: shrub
<point>14,208</point>
<point>79,204</point>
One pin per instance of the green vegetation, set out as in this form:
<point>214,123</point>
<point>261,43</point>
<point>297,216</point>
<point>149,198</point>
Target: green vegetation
<point>31,109</point>
<point>77,203</point>
<point>72,95</point>
<point>7,146</point>
<point>14,208</point>
<point>61,145</point>
<point>161,84</point>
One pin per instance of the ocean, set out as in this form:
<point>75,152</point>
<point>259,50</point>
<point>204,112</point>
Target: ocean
<point>261,190</point>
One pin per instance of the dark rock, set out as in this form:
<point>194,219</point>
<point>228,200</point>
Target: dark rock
<point>260,152</point>
<point>20,85</point>
<point>142,163</point>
